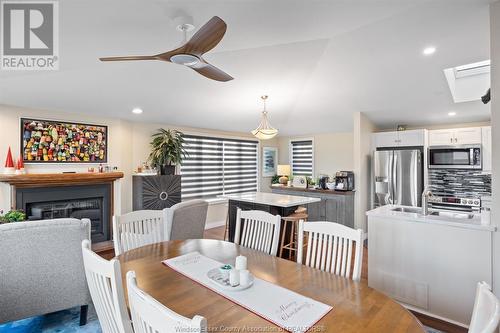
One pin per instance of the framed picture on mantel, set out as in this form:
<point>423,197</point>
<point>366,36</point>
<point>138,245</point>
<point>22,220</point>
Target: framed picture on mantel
<point>269,161</point>
<point>49,141</point>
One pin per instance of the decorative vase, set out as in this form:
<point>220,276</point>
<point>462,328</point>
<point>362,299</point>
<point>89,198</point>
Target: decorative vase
<point>167,169</point>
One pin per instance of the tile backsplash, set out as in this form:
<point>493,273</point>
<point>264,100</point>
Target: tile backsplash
<point>459,183</point>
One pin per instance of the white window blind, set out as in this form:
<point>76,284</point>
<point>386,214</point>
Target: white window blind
<point>302,157</point>
<point>216,166</point>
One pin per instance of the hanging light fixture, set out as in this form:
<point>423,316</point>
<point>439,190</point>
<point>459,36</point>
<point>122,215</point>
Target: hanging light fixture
<point>265,131</point>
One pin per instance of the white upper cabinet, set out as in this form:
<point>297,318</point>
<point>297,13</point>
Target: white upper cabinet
<point>399,138</point>
<point>486,148</point>
<point>455,136</point>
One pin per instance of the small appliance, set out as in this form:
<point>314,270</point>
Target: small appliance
<point>322,181</point>
<point>344,181</point>
<point>455,203</point>
<point>299,181</point>
<point>455,157</point>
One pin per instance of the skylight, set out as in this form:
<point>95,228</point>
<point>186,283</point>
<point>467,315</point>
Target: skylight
<point>468,82</point>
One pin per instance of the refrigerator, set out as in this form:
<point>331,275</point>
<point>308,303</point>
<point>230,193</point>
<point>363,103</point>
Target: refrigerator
<point>399,176</point>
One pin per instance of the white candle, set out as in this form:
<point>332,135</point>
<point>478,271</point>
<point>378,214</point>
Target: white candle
<point>234,277</point>
<point>244,277</point>
<point>241,262</point>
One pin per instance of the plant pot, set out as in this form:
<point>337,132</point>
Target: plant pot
<point>167,169</point>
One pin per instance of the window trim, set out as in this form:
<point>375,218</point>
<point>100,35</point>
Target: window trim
<point>290,152</point>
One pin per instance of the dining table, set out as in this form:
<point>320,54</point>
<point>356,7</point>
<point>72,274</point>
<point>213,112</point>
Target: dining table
<point>356,307</point>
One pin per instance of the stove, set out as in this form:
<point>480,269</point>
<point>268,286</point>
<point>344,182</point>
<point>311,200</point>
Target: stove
<point>455,203</point>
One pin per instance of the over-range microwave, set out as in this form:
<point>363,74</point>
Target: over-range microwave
<point>455,157</point>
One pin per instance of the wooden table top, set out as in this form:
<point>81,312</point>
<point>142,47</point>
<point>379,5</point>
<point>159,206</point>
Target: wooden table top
<point>356,307</point>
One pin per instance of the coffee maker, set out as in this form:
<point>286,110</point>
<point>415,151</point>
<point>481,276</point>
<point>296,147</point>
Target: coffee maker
<point>322,182</point>
<point>344,181</point>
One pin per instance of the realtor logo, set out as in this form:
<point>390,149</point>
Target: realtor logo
<point>29,35</point>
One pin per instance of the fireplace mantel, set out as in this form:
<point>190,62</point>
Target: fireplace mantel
<point>60,179</point>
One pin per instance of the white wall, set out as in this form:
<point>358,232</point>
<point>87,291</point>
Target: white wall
<point>332,152</point>
<point>363,129</point>
<point>495,123</point>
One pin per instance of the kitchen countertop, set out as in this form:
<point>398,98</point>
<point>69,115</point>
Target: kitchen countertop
<point>312,190</point>
<point>271,199</point>
<point>387,212</point>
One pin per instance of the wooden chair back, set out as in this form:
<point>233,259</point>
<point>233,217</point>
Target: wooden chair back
<point>260,232</point>
<point>149,315</point>
<point>331,247</point>
<point>105,286</point>
<point>486,313</point>
<point>138,228</point>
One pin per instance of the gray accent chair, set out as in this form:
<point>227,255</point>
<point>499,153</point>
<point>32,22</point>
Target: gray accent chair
<point>186,220</point>
<point>41,268</point>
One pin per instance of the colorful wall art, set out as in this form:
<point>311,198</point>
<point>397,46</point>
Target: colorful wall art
<point>47,141</point>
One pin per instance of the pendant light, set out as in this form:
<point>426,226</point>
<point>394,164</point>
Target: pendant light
<point>265,131</point>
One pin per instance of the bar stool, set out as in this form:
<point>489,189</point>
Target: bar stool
<point>293,220</point>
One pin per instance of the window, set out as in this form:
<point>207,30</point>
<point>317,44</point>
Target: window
<point>216,166</point>
<point>302,157</point>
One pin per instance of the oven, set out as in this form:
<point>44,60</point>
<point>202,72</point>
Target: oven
<point>455,157</point>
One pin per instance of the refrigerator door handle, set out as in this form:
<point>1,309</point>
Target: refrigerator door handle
<point>390,183</point>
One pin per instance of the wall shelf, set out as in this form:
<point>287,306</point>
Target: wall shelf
<point>60,179</point>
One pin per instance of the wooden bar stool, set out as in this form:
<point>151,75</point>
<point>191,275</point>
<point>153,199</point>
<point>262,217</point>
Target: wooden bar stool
<point>293,220</point>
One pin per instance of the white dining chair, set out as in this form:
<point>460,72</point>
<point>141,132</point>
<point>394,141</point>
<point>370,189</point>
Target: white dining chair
<point>330,248</point>
<point>260,232</point>
<point>138,228</point>
<point>105,286</point>
<point>486,313</point>
<point>149,315</point>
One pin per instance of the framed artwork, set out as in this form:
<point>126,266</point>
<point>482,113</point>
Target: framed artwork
<point>48,141</point>
<point>269,161</point>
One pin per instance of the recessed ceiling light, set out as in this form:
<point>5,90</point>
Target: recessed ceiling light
<point>137,111</point>
<point>429,50</point>
<point>452,113</point>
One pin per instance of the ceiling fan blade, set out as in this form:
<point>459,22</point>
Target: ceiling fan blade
<point>212,72</point>
<point>207,37</point>
<point>128,58</point>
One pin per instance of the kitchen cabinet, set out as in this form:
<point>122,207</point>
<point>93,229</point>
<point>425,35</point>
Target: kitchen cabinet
<point>410,138</point>
<point>455,136</point>
<point>486,148</point>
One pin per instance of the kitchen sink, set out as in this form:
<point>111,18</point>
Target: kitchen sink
<point>453,215</point>
<point>407,209</point>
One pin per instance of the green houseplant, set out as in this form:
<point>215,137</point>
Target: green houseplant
<point>167,150</point>
<point>13,216</point>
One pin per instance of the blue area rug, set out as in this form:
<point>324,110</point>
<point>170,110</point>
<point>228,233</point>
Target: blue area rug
<point>66,321</point>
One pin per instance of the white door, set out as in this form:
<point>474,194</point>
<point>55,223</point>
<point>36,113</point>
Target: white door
<point>468,136</point>
<point>486,149</point>
<point>441,137</point>
<point>386,139</point>
<point>412,138</point>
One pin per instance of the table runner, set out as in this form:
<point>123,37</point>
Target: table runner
<point>284,308</point>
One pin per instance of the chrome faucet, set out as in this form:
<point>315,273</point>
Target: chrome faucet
<point>425,201</point>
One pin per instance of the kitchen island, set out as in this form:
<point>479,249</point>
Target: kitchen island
<point>276,204</point>
<point>429,263</point>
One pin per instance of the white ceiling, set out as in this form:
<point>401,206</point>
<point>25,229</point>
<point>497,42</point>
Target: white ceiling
<point>319,61</point>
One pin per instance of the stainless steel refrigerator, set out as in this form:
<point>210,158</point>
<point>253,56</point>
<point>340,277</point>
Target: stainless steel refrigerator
<point>398,176</point>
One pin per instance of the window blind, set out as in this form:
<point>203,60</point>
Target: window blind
<point>216,166</point>
<point>302,157</point>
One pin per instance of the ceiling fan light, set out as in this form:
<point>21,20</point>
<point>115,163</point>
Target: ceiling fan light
<point>264,131</point>
<point>185,59</point>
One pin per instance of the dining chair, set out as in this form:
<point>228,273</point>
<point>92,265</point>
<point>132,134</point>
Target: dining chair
<point>149,315</point>
<point>330,248</point>
<point>486,313</point>
<point>186,220</point>
<point>136,229</point>
<point>260,232</point>
<point>105,285</point>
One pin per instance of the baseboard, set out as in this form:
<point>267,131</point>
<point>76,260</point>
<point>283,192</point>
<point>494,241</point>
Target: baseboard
<point>215,224</point>
<point>432,320</point>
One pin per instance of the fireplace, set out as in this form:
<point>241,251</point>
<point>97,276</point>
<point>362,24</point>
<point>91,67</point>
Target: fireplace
<point>83,201</point>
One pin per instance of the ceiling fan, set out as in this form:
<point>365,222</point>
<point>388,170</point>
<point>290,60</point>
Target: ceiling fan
<point>191,53</point>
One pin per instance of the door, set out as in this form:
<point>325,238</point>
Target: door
<point>386,139</point>
<point>383,161</point>
<point>412,138</point>
<point>441,137</point>
<point>408,181</point>
<point>468,136</point>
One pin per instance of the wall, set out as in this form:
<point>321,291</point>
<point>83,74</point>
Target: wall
<point>128,147</point>
<point>495,123</point>
<point>363,129</point>
<point>332,152</point>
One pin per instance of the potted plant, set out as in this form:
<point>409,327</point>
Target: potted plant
<point>13,216</point>
<point>167,150</point>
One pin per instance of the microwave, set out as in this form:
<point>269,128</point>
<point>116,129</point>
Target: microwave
<point>455,157</point>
